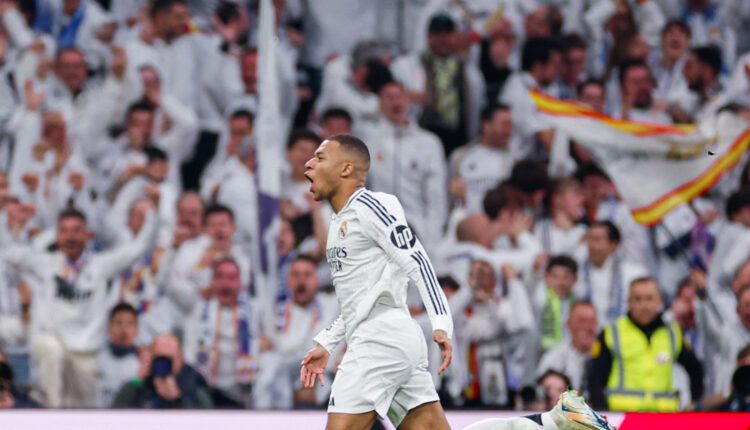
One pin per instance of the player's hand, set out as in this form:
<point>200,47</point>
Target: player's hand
<point>446,349</point>
<point>313,366</point>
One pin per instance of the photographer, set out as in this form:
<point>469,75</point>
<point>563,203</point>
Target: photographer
<point>170,384</point>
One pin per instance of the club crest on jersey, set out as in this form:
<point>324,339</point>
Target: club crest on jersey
<point>402,237</point>
<point>343,228</point>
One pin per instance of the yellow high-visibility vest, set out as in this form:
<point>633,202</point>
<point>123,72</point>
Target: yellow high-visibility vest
<point>641,376</point>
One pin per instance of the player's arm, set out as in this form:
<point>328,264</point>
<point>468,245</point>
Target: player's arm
<point>314,363</point>
<point>384,223</point>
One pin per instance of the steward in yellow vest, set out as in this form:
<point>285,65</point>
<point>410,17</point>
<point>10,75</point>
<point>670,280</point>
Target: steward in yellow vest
<point>634,358</point>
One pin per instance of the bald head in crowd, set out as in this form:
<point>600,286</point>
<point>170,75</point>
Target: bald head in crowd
<point>475,228</point>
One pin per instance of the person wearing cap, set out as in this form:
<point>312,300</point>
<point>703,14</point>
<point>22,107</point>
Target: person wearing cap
<point>448,90</point>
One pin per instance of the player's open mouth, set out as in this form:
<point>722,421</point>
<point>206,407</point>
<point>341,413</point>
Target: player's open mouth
<point>311,181</point>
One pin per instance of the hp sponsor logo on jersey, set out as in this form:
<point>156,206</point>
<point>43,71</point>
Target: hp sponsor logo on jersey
<point>402,237</point>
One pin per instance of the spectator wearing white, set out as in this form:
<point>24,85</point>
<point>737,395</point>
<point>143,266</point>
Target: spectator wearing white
<point>709,27</point>
<point>15,320</point>
<point>350,81</point>
<point>448,90</point>
<point>175,123</point>
<point>731,241</point>
<point>158,318</point>
<point>232,183</point>
<point>609,21</point>
<point>719,319</point>
<point>490,320</point>
<point>77,23</point>
<point>118,362</point>
<point>541,63</point>
<point>474,235</point>
<point>668,61</point>
<point>190,279</point>
<point>574,65</point>
<point>560,232</point>
<point>75,294</point>
<point>408,162</point>
<point>637,89</point>
<point>480,166</point>
<point>45,168</point>
<point>605,275</point>
<point>570,356</point>
<point>295,187</point>
<point>553,300</point>
<point>702,72</point>
<point>282,347</point>
<point>236,142</point>
<point>154,175</point>
<point>335,121</point>
<point>164,42</point>
<point>221,335</point>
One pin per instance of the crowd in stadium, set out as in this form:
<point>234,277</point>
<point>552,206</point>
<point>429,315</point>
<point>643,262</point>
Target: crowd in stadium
<point>128,205</point>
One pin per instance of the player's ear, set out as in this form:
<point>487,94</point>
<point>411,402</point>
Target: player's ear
<point>347,170</point>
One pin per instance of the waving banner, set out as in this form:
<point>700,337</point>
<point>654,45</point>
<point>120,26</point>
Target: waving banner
<point>655,167</point>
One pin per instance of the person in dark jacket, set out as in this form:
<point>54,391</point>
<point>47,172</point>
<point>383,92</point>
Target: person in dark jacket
<point>170,384</point>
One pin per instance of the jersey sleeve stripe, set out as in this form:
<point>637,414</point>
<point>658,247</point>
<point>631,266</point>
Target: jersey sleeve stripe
<point>379,205</point>
<point>433,281</point>
<point>426,283</point>
<point>382,218</point>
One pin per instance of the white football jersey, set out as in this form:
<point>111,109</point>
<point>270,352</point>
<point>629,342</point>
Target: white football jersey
<point>373,254</point>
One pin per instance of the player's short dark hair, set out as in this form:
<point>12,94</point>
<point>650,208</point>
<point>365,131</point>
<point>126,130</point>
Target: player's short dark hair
<point>155,154</point>
<point>301,134</point>
<point>529,176</point>
<point>159,6</point>
<point>336,112</point>
<point>708,55</point>
<point>217,209</point>
<point>353,144</point>
<point>120,308</point>
<point>538,50</point>
<point>563,261</point>
<point>625,66</point>
<point>71,213</point>
<point>590,81</point>
<point>489,112</point>
<point>677,24</point>
<point>244,114</point>
<point>613,233</point>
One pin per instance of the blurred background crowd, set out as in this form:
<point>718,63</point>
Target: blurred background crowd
<point>128,204</point>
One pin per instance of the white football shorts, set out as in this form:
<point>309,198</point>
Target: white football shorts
<point>384,368</point>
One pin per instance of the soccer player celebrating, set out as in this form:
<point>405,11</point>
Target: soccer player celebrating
<point>373,254</point>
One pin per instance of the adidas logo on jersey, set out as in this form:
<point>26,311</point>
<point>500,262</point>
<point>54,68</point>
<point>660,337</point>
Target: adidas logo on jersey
<point>331,402</point>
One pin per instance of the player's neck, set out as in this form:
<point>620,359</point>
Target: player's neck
<point>338,199</point>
